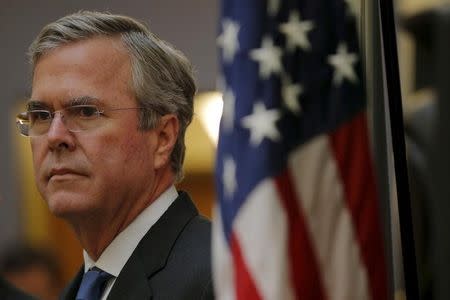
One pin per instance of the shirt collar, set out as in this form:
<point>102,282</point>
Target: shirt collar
<point>119,251</point>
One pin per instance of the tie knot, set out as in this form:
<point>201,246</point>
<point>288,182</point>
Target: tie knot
<point>93,284</point>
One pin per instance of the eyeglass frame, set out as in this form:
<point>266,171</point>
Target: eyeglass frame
<point>23,117</point>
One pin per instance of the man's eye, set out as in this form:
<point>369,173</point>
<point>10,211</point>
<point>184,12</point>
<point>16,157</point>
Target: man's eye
<point>39,115</point>
<point>84,112</point>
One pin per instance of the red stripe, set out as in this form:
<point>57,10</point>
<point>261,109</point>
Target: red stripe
<point>244,283</point>
<point>305,274</point>
<point>351,149</point>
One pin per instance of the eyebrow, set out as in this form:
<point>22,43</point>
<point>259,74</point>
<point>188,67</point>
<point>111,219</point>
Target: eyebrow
<point>83,100</point>
<point>35,104</point>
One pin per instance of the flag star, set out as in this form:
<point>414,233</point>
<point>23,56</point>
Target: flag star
<point>229,176</point>
<point>296,32</point>
<point>228,40</point>
<point>342,63</point>
<point>291,93</point>
<point>261,124</point>
<point>273,6</point>
<point>268,57</point>
<point>229,100</point>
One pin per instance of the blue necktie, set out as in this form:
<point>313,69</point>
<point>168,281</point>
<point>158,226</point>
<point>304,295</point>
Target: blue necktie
<point>93,284</point>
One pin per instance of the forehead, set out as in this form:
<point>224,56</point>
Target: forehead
<point>98,67</point>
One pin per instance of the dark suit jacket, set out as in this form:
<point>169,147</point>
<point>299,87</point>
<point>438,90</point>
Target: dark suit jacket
<point>8,292</point>
<point>172,261</point>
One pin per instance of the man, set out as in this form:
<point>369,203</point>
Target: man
<point>109,107</point>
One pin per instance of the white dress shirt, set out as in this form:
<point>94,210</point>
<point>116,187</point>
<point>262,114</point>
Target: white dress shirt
<point>114,257</point>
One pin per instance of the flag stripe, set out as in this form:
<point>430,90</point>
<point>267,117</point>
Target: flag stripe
<point>329,220</point>
<point>222,264</point>
<point>359,183</point>
<point>304,268</point>
<point>245,286</point>
<point>261,232</point>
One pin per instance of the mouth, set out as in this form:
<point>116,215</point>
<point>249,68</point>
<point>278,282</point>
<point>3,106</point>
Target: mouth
<point>62,174</point>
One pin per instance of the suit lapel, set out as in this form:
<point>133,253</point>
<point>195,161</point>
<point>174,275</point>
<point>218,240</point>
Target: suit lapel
<point>132,282</point>
<point>151,254</point>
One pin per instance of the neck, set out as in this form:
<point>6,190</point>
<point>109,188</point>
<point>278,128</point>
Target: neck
<point>96,231</point>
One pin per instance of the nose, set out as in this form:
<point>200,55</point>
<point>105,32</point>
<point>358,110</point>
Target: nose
<point>58,135</point>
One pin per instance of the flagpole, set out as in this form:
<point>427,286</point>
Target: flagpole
<point>371,51</point>
<point>392,80</point>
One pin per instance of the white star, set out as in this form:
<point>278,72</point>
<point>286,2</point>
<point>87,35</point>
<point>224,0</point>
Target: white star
<point>342,63</point>
<point>268,57</point>
<point>261,124</point>
<point>229,176</point>
<point>228,40</point>
<point>296,32</point>
<point>273,6</point>
<point>228,109</point>
<point>291,93</point>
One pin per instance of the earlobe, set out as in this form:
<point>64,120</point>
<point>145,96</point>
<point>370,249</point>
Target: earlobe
<point>167,131</point>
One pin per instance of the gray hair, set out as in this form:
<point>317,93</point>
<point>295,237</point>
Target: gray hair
<point>162,77</point>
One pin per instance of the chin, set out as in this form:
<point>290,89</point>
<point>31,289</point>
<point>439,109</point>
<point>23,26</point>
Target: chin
<point>68,205</point>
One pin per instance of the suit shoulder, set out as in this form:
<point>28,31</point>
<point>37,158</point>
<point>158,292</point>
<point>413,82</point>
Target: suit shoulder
<point>195,239</point>
<point>199,228</point>
<point>188,267</point>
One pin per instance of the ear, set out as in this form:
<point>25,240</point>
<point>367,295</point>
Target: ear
<point>167,134</point>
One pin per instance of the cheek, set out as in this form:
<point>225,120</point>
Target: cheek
<point>37,155</point>
<point>134,151</point>
<point>129,156</point>
<point>35,146</point>
<point>139,158</point>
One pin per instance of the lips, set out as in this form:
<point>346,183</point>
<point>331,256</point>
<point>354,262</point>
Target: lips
<point>62,173</point>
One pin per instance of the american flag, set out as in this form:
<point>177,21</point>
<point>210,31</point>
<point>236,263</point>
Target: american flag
<point>298,213</point>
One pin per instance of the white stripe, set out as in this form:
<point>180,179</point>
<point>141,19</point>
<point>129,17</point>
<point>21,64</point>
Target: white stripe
<point>328,219</point>
<point>222,265</point>
<point>261,229</point>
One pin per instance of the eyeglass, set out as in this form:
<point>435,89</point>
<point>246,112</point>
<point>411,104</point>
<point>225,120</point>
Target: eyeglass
<point>76,118</point>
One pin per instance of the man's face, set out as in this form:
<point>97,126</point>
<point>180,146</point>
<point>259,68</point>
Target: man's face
<point>102,170</point>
